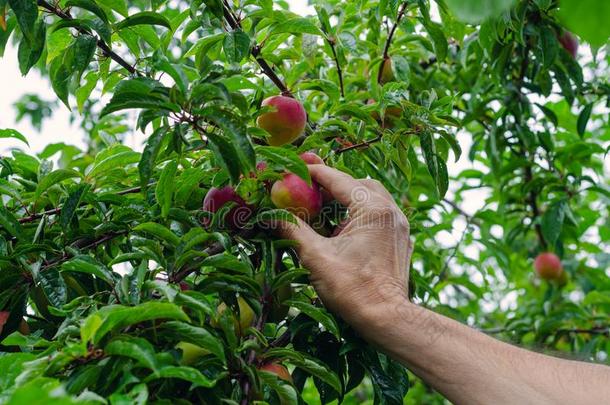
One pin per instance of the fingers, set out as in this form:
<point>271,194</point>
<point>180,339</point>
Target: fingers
<point>340,185</point>
<point>378,188</point>
<point>300,232</point>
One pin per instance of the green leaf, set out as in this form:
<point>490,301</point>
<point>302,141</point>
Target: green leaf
<point>228,262</point>
<point>165,187</point>
<point>235,132</point>
<point>30,51</point>
<point>297,25</point>
<point>88,5</point>
<point>549,45</point>
<point>27,14</point>
<point>60,78</point>
<point>80,54</point>
<point>317,369</point>
<point>197,336</point>
<point>435,30</point>
<point>285,392</point>
<point>236,45</point>
<point>552,222</point>
<point>475,11</point>
<point>273,216</point>
<point>117,5</point>
<point>13,133</point>
<point>84,91</point>
<point>143,18</point>
<point>140,93</point>
<point>587,18</point>
<point>316,313</point>
<point>10,223</point>
<point>160,232</point>
<point>85,264</point>
<point>149,156</point>
<point>287,159</point>
<point>111,317</point>
<point>583,119</point>
<point>53,286</point>
<point>54,178</point>
<point>12,364</point>
<point>69,207</point>
<point>30,341</point>
<point>118,160</point>
<point>135,348</point>
<point>185,373</point>
<point>11,23</point>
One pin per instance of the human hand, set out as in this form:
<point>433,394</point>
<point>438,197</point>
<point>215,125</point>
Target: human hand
<point>365,267</point>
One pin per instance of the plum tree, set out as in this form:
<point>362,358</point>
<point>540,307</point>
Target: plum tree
<point>295,195</point>
<point>216,198</point>
<point>277,369</point>
<point>548,266</point>
<point>569,42</point>
<point>103,232</point>
<point>285,123</point>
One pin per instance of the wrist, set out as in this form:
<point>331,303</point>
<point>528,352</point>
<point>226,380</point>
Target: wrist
<point>383,313</point>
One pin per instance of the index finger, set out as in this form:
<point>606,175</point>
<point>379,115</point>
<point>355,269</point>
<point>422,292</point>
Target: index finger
<point>340,185</point>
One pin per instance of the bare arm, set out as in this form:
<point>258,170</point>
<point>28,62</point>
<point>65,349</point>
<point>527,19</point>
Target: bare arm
<point>362,275</point>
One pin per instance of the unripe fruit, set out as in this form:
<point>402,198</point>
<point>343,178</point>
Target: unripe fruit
<point>216,198</point>
<point>387,71</point>
<point>295,195</point>
<point>311,158</point>
<point>391,114</point>
<point>24,327</point>
<point>286,123</point>
<point>277,369</point>
<point>246,315</point>
<point>548,266</point>
<point>569,43</point>
<point>191,353</point>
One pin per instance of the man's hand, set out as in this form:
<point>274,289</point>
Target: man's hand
<point>365,266</point>
<point>361,274</point>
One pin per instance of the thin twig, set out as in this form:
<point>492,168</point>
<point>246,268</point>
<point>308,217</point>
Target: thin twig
<point>256,51</point>
<point>598,330</point>
<point>388,42</point>
<point>105,48</point>
<point>331,43</point>
<point>57,210</point>
<point>365,144</point>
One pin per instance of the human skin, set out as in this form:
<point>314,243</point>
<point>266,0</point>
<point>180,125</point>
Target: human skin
<point>361,274</point>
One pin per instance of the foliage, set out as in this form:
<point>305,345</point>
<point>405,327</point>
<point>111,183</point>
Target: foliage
<point>104,264</point>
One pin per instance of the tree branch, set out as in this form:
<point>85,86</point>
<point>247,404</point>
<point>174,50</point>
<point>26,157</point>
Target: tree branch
<point>388,42</point>
<point>105,48</point>
<point>365,144</point>
<point>331,43</point>
<point>255,51</point>
<point>57,210</point>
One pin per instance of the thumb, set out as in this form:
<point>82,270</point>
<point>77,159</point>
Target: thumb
<point>300,232</point>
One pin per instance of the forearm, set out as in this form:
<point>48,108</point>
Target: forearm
<point>469,367</point>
